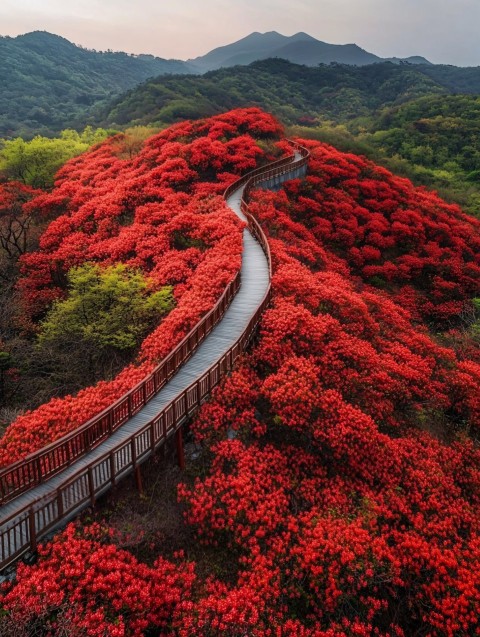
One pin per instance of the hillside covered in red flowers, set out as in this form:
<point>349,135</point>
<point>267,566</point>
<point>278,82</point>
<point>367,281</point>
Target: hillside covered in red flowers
<point>160,213</point>
<point>341,467</point>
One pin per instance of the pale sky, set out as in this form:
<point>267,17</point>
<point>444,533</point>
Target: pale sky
<point>444,31</point>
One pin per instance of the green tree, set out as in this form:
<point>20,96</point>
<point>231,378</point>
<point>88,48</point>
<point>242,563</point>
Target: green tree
<point>103,318</point>
<point>35,162</point>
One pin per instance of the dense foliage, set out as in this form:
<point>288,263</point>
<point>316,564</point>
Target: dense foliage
<point>437,136</point>
<point>24,168</point>
<point>106,313</point>
<point>48,82</point>
<point>160,213</point>
<point>338,468</point>
<point>374,110</point>
<point>88,582</point>
<point>432,131</point>
<point>455,79</point>
<point>293,92</point>
<point>36,162</point>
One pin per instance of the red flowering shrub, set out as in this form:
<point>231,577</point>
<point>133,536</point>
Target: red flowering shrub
<point>365,525</point>
<point>342,479</point>
<point>160,212</point>
<point>85,585</point>
<point>398,237</point>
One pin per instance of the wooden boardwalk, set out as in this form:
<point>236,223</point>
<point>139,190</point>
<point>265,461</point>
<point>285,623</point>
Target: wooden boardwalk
<point>43,508</point>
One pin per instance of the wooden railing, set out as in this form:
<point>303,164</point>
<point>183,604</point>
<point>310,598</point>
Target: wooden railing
<point>21,531</point>
<point>50,460</point>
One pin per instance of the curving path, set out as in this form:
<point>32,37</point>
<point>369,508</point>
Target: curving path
<point>44,507</point>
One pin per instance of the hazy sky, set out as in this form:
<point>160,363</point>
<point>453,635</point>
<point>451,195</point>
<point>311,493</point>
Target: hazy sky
<point>444,31</point>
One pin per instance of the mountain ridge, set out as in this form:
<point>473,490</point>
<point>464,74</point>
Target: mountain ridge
<point>47,81</point>
<point>300,48</point>
<point>44,42</point>
<point>253,45</point>
<point>335,93</point>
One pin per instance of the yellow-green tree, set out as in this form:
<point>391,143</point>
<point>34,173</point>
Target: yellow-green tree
<point>103,318</point>
<point>35,162</point>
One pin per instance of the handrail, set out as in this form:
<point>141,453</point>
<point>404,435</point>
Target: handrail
<point>51,459</point>
<point>91,481</point>
<point>37,467</point>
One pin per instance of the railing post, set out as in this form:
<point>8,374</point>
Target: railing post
<point>86,441</point>
<point>152,436</point>
<point>91,487</point>
<point>112,468</point>
<point>32,531</point>
<point>38,467</point>
<point>133,452</point>
<point>164,427</point>
<point>59,503</point>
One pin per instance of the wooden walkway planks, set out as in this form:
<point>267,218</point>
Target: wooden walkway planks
<point>50,503</point>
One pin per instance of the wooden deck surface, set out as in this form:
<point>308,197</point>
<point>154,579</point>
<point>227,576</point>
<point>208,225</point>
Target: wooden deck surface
<point>254,284</point>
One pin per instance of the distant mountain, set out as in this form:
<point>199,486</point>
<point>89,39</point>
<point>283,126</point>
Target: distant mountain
<point>253,47</point>
<point>300,48</point>
<point>47,82</point>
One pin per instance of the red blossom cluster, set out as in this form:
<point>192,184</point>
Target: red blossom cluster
<point>360,517</point>
<point>85,586</point>
<point>406,240</point>
<point>13,194</point>
<point>342,481</point>
<point>161,212</point>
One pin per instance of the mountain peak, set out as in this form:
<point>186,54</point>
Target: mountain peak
<point>301,35</point>
<point>300,48</point>
<point>42,36</point>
